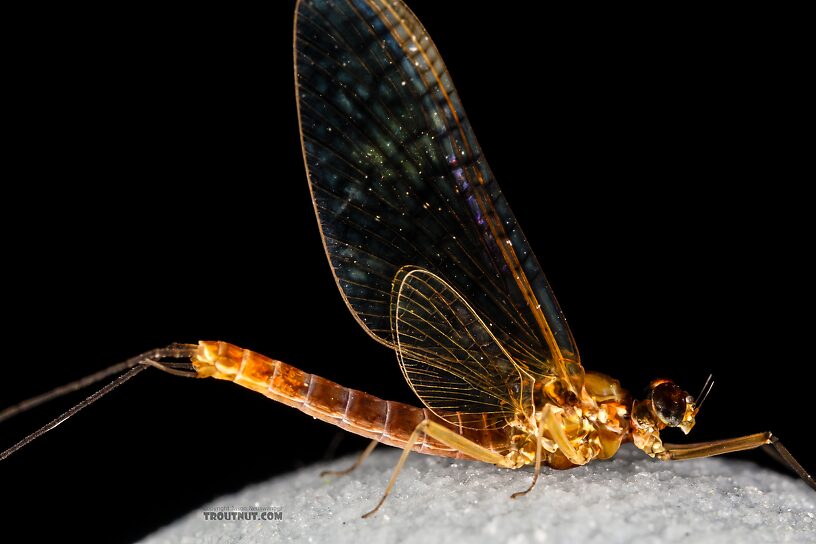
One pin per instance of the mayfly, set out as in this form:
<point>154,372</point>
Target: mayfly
<point>431,263</point>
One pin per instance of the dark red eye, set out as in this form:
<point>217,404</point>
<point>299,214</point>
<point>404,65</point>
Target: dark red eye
<point>669,403</point>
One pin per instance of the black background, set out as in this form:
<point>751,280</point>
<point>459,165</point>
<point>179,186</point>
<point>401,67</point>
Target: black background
<point>657,165</point>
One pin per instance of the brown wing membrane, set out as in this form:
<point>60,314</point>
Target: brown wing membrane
<point>449,356</point>
<point>398,179</point>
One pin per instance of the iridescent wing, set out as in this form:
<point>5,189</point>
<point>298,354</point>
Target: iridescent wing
<point>398,179</point>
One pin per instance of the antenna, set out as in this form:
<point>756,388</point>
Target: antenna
<point>707,386</point>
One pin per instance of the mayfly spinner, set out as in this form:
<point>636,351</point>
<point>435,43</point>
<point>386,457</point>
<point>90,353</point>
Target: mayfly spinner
<point>432,263</point>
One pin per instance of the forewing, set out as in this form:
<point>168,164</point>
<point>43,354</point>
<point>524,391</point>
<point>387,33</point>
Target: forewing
<point>449,356</point>
<point>397,178</point>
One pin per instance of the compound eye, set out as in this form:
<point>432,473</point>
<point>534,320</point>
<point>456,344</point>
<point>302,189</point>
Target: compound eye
<point>669,402</point>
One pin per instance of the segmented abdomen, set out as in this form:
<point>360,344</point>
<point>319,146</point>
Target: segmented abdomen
<point>386,421</point>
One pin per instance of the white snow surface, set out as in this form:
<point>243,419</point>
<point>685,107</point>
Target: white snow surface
<point>630,498</point>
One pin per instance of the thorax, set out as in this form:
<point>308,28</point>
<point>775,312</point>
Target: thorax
<point>591,426</point>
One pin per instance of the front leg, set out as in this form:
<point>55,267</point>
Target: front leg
<point>676,452</point>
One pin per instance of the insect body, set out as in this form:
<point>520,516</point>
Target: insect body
<point>570,436</point>
<point>431,262</point>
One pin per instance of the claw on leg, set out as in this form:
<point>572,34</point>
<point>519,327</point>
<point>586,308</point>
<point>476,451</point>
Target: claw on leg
<point>537,470</point>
